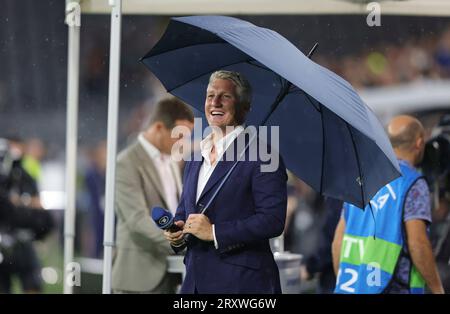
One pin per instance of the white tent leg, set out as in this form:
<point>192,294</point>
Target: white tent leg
<point>113,106</point>
<point>73,22</point>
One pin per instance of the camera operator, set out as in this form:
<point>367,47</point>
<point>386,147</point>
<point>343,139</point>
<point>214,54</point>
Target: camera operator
<point>436,168</point>
<point>21,221</point>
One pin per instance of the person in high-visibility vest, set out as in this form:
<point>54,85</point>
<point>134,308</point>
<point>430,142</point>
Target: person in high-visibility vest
<point>385,247</point>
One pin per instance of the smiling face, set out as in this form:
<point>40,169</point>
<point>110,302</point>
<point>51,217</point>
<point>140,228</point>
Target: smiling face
<point>220,104</point>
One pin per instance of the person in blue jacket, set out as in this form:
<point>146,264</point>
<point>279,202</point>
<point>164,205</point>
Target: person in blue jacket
<point>385,247</point>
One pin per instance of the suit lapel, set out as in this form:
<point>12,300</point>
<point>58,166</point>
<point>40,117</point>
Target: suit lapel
<point>221,169</point>
<point>148,170</point>
<point>193,180</point>
<point>223,166</point>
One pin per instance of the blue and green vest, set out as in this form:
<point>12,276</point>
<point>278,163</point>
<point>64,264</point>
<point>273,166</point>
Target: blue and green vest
<point>373,240</point>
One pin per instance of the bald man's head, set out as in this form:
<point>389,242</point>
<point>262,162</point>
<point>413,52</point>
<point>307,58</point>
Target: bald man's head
<point>403,131</point>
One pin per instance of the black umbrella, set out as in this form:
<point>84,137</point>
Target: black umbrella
<point>328,137</point>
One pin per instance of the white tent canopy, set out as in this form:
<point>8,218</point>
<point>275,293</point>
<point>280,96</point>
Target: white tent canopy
<point>198,7</point>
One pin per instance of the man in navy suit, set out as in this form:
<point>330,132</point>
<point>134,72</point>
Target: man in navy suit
<point>229,249</point>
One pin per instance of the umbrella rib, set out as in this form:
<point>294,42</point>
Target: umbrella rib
<point>323,145</point>
<point>200,75</point>
<point>361,178</point>
<point>261,66</point>
<point>320,109</point>
<point>285,85</point>
<point>178,48</point>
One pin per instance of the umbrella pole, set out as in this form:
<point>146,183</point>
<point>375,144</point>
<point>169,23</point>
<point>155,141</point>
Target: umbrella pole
<point>113,105</point>
<point>313,49</point>
<point>73,13</point>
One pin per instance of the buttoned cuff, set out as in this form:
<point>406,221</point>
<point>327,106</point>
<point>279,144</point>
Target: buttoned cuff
<point>214,235</point>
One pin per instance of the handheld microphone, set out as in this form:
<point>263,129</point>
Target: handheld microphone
<point>164,220</point>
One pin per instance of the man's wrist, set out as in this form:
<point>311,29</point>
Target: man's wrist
<point>178,243</point>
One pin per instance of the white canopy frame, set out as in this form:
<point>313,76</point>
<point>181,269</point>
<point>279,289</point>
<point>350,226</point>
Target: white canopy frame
<point>73,21</point>
<point>73,60</point>
<point>228,7</point>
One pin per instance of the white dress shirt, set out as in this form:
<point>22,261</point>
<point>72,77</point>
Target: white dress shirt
<point>207,168</point>
<point>166,170</point>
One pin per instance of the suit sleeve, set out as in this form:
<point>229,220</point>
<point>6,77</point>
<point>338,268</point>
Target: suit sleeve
<point>269,193</point>
<point>181,212</point>
<point>132,209</point>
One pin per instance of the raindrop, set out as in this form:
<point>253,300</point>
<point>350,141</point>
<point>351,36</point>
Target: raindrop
<point>49,275</point>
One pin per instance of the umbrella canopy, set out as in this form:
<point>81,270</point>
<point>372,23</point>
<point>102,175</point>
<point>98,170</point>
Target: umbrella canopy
<point>328,137</point>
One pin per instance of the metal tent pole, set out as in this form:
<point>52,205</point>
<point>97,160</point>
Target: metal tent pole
<point>113,106</point>
<point>73,13</point>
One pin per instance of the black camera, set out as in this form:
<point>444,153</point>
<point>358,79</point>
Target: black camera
<point>436,162</point>
<point>436,168</point>
<point>17,223</point>
<point>6,164</point>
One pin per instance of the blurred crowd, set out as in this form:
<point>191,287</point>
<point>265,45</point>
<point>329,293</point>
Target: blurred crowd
<point>388,64</point>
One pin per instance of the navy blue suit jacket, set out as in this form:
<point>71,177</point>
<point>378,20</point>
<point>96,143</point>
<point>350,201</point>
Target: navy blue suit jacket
<point>248,211</point>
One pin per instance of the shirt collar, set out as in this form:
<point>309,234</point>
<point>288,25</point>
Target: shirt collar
<point>221,145</point>
<point>149,148</point>
<point>404,162</point>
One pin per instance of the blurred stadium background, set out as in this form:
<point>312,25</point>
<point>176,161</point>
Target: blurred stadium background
<point>401,66</point>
